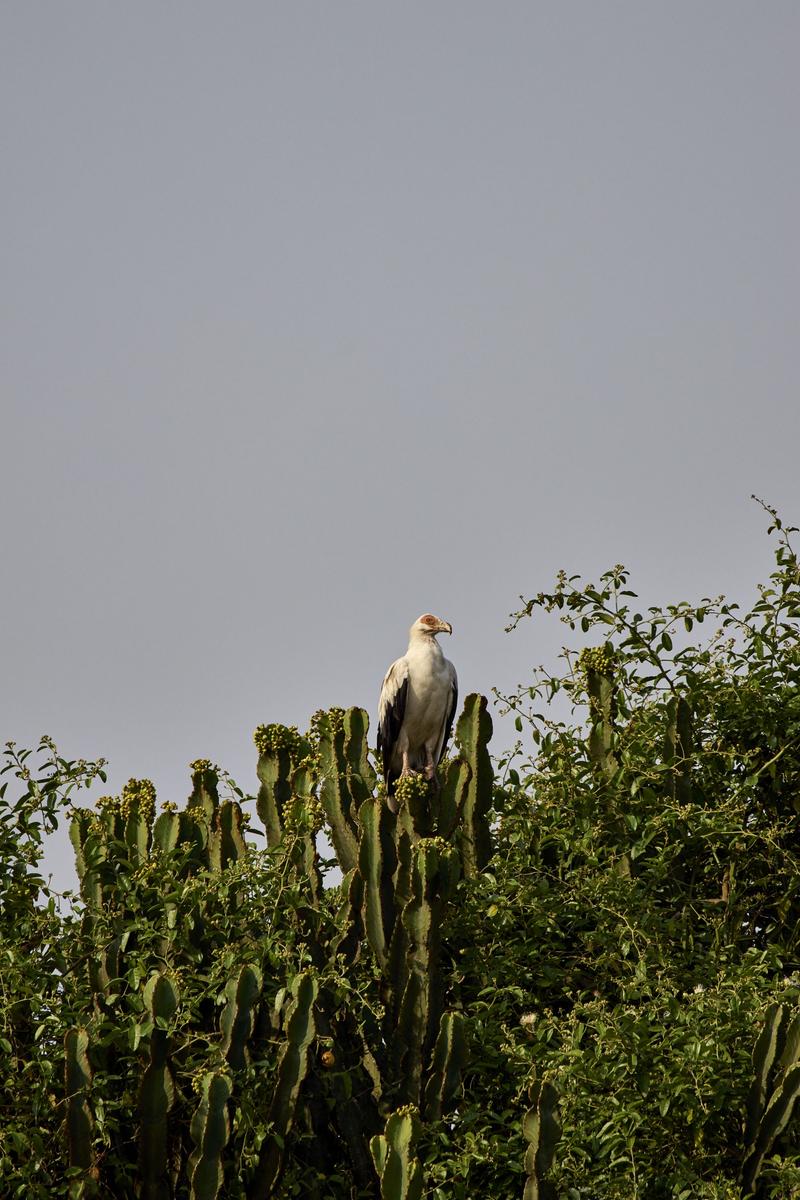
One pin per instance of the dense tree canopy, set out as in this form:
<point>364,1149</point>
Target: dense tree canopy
<point>598,932</point>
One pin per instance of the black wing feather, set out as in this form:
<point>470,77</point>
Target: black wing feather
<point>389,731</point>
<point>451,716</point>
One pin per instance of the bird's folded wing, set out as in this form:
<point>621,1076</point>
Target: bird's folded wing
<point>447,727</point>
<point>391,708</point>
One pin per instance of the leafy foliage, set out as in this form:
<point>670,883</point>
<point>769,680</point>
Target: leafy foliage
<point>574,973</point>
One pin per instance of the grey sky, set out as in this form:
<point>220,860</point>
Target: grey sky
<point>318,316</point>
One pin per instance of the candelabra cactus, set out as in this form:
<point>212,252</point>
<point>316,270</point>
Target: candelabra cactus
<point>405,1046</point>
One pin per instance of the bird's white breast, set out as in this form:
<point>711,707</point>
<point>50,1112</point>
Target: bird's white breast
<point>429,684</point>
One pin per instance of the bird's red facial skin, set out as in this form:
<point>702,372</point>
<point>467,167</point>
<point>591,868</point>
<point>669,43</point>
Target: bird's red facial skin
<point>428,619</point>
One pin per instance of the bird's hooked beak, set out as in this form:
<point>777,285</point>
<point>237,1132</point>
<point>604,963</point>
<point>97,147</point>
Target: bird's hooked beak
<point>444,627</point>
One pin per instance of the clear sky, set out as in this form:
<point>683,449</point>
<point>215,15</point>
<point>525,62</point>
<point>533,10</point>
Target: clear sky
<point>319,316</point>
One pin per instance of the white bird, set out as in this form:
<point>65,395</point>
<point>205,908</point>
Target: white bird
<point>417,705</point>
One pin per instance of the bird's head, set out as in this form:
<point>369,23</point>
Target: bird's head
<point>428,626</point>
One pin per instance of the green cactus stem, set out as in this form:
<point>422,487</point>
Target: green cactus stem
<point>598,664</point>
<point>400,1173</point>
<point>377,859</point>
<point>449,1058</point>
<point>473,731</point>
<point>342,787</point>
<point>678,744</point>
<point>210,1129</point>
<point>292,1068</point>
<point>204,794</point>
<point>415,977</point>
<point>542,1131</point>
<point>280,750</point>
<point>77,1080</point>
<point>166,829</point>
<point>774,1091</point>
<point>157,1091</point>
<point>238,1016</point>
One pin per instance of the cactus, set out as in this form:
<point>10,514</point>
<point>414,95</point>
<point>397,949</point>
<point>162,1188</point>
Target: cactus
<point>774,1091</point>
<point>452,796</point>
<point>204,795</point>
<point>399,1173</point>
<point>166,829</point>
<point>342,755</point>
<point>349,918</point>
<point>292,1067</point>
<point>415,975</point>
<point>473,732</point>
<point>377,859</point>
<point>678,747</point>
<point>542,1131</point>
<point>598,663</point>
<point>136,806</point>
<point>157,1091</point>
<point>238,1016</point>
<point>77,1080</point>
<point>449,1056</point>
<point>280,749</point>
<point>210,1129</point>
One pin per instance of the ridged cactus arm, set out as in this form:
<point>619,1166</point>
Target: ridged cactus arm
<point>598,665</point>
<point>280,749</point>
<point>205,788</point>
<point>157,1091</point>
<point>452,796</point>
<point>399,1172</point>
<point>336,779</point>
<point>449,1058</point>
<point>238,1016</point>
<point>292,1068</point>
<point>542,1131</point>
<point>210,1130</point>
<point>377,859</point>
<point>774,1091</point>
<point>765,1052</point>
<point>230,825</point>
<point>473,732</point>
<point>88,836</point>
<point>166,829</point>
<point>773,1122</point>
<point>418,979</point>
<point>137,806</point>
<point>77,1080</point>
<point>349,918</point>
<point>356,751</point>
<point>678,747</point>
